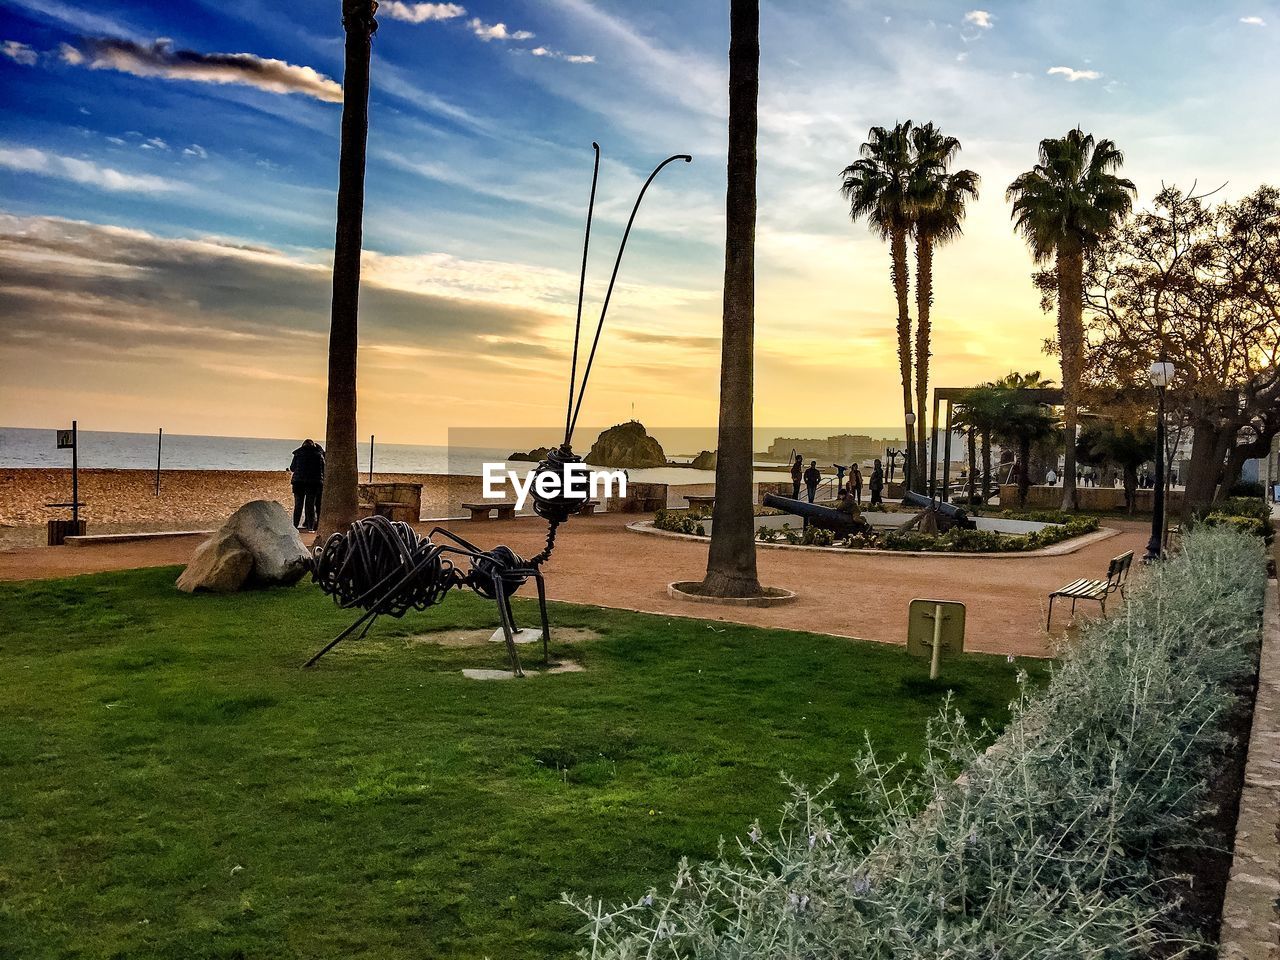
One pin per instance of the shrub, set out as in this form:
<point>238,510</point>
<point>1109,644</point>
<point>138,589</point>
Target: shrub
<point>1048,847</point>
<point>1244,514</point>
<point>680,521</point>
<point>817,537</point>
<point>1247,488</point>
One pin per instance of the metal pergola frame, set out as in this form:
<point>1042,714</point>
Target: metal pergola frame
<point>951,396</point>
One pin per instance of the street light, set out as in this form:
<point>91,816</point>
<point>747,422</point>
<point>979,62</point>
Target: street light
<point>1161,375</point>
<point>911,446</point>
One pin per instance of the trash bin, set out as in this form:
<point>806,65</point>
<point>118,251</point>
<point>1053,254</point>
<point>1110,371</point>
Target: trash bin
<point>59,530</point>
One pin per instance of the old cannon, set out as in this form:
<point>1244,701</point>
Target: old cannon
<point>824,518</point>
<point>946,515</point>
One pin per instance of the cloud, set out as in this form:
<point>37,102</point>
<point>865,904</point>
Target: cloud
<point>81,21</point>
<point>197,151</point>
<point>18,53</point>
<point>980,19</point>
<point>567,57</point>
<point>159,59</point>
<point>1072,74</point>
<point>496,31</point>
<point>1253,21</point>
<point>420,12</point>
<point>86,172</point>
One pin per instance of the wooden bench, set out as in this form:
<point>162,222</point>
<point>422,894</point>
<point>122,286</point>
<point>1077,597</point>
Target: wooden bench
<point>701,500</point>
<point>589,508</point>
<point>481,511</point>
<point>1099,590</point>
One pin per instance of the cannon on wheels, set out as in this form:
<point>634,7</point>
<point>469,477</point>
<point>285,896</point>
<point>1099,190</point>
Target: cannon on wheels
<point>386,568</point>
<point>936,515</point>
<point>838,522</point>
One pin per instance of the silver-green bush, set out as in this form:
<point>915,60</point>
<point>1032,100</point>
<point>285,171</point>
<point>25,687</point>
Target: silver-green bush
<point>1049,843</point>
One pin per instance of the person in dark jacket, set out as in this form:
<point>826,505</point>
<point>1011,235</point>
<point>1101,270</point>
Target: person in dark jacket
<point>855,484</point>
<point>812,477</point>
<point>877,484</point>
<point>307,468</point>
<point>797,474</point>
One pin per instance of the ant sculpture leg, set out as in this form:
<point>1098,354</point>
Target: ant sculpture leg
<point>542,609</point>
<point>504,604</point>
<point>508,624</point>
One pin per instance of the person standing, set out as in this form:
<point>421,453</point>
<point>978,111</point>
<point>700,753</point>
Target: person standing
<point>877,483</point>
<point>1052,477</point>
<point>307,470</point>
<point>855,484</point>
<point>797,475</point>
<point>812,477</point>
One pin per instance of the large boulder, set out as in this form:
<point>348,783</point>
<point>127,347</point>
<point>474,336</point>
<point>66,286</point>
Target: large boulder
<point>260,531</point>
<point>220,565</point>
<point>626,445</point>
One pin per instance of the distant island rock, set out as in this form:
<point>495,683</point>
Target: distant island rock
<point>706,460</point>
<point>628,445</point>
<point>536,455</point>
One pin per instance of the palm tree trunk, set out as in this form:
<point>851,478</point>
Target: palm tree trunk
<point>341,490</point>
<point>924,302</point>
<point>1024,475</point>
<point>1071,349</point>
<point>973,464</point>
<point>731,560</point>
<point>898,273</point>
<point>986,465</point>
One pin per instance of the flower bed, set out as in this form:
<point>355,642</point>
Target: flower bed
<point>1056,843</point>
<point>694,523</point>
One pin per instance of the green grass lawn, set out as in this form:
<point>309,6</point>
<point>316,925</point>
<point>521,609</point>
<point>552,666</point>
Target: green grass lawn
<point>172,785</point>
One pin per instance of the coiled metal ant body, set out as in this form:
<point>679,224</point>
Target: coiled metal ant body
<point>386,568</point>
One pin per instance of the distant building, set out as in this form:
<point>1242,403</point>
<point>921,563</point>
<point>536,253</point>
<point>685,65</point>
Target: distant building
<point>842,448</point>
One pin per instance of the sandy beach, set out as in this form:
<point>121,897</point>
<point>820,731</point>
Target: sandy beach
<point>188,499</point>
<point>126,500</point>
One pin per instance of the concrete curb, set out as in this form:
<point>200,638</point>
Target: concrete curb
<point>773,597</point>
<point>1250,923</point>
<point>1057,550</point>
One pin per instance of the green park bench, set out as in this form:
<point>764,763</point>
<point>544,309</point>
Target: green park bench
<point>1099,590</point>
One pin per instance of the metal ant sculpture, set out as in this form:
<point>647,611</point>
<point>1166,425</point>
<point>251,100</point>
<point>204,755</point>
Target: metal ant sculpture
<point>387,569</point>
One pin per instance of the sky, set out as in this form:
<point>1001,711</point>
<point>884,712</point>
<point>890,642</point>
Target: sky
<point>168,176</point>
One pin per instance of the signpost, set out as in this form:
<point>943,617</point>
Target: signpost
<point>59,530</point>
<point>159,449</point>
<point>935,629</point>
<point>371,458</point>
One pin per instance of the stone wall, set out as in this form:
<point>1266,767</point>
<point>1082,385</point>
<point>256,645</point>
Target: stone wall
<point>1041,497</point>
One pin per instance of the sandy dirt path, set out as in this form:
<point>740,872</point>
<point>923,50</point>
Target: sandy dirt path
<point>598,561</point>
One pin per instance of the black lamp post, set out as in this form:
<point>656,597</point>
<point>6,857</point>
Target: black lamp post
<point>1160,375</point>
<point>909,457</point>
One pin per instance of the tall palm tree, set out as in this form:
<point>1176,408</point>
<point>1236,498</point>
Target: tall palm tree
<point>731,561</point>
<point>938,199</point>
<point>342,484</point>
<point>1064,207</point>
<point>878,188</point>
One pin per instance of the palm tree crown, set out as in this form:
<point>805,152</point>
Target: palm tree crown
<point>878,186</point>
<point>1072,197</point>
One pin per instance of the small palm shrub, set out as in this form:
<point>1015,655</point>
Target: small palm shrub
<point>1048,846</point>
